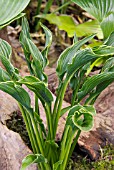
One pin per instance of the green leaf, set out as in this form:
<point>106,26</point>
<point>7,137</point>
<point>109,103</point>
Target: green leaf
<point>104,50</point>
<point>81,58</point>
<point>5,53</point>
<point>102,10</point>
<point>84,123</point>
<point>38,61</point>
<point>81,117</point>
<point>56,165</point>
<point>64,110</point>
<point>110,40</point>
<point>38,87</point>
<point>67,55</point>
<point>3,75</point>
<point>64,22</point>
<point>10,10</point>
<point>93,82</point>
<point>47,43</point>
<point>17,92</point>
<point>109,65</point>
<point>15,18</point>
<point>32,158</point>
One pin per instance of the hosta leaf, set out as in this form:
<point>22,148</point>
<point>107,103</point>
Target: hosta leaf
<point>104,50</point>
<point>110,40</point>
<point>38,87</point>
<point>102,10</point>
<point>64,22</point>
<point>81,58</point>
<point>32,158</point>
<point>109,65</point>
<point>11,9</point>
<point>17,92</point>
<point>108,25</point>
<point>5,53</point>
<point>47,43</point>
<point>38,61</point>
<point>67,55</point>
<point>15,18</point>
<point>5,49</point>
<point>3,75</point>
<point>94,81</point>
<point>85,123</point>
<point>81,117</point>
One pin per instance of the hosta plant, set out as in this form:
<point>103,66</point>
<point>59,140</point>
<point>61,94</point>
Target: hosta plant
<point>72,65</point>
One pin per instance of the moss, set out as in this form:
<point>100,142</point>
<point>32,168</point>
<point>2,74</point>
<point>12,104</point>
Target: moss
<point>105,161</point>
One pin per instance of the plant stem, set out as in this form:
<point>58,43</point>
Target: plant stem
<point>60,100</point>
<point>62,6</point>
<point>30,130</point>
<point>74,144</point>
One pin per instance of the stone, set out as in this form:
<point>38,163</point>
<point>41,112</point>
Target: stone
<point>12,150</point>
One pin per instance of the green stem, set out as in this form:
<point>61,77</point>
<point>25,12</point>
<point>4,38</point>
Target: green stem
<point>60,100</point>
<point>62,6</point>
<point>38,6</point>
<point>74,143</point>
<point>69,141</point>
<point>50,124</point>
<point>48,5</point>
<point>41,148</point>
<point>64,138</point>
<point>30,130</point>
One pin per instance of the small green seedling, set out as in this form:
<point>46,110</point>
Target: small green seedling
<point>71,69</point>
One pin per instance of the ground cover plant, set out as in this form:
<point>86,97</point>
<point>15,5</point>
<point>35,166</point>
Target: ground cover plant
<point>71,69</point>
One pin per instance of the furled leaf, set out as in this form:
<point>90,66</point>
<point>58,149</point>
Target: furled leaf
<point>10,10</point>
<point>102,10</point>
<point>84,123</point>
<point>81,117</point>
<point>67,55</point>
<point>32,158</point>
<point>47,43</point>
<point>17,92</point>
<point>92,82</point>
<point>5,53</point>
<point>64,22</point>
<point>38,87</point>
